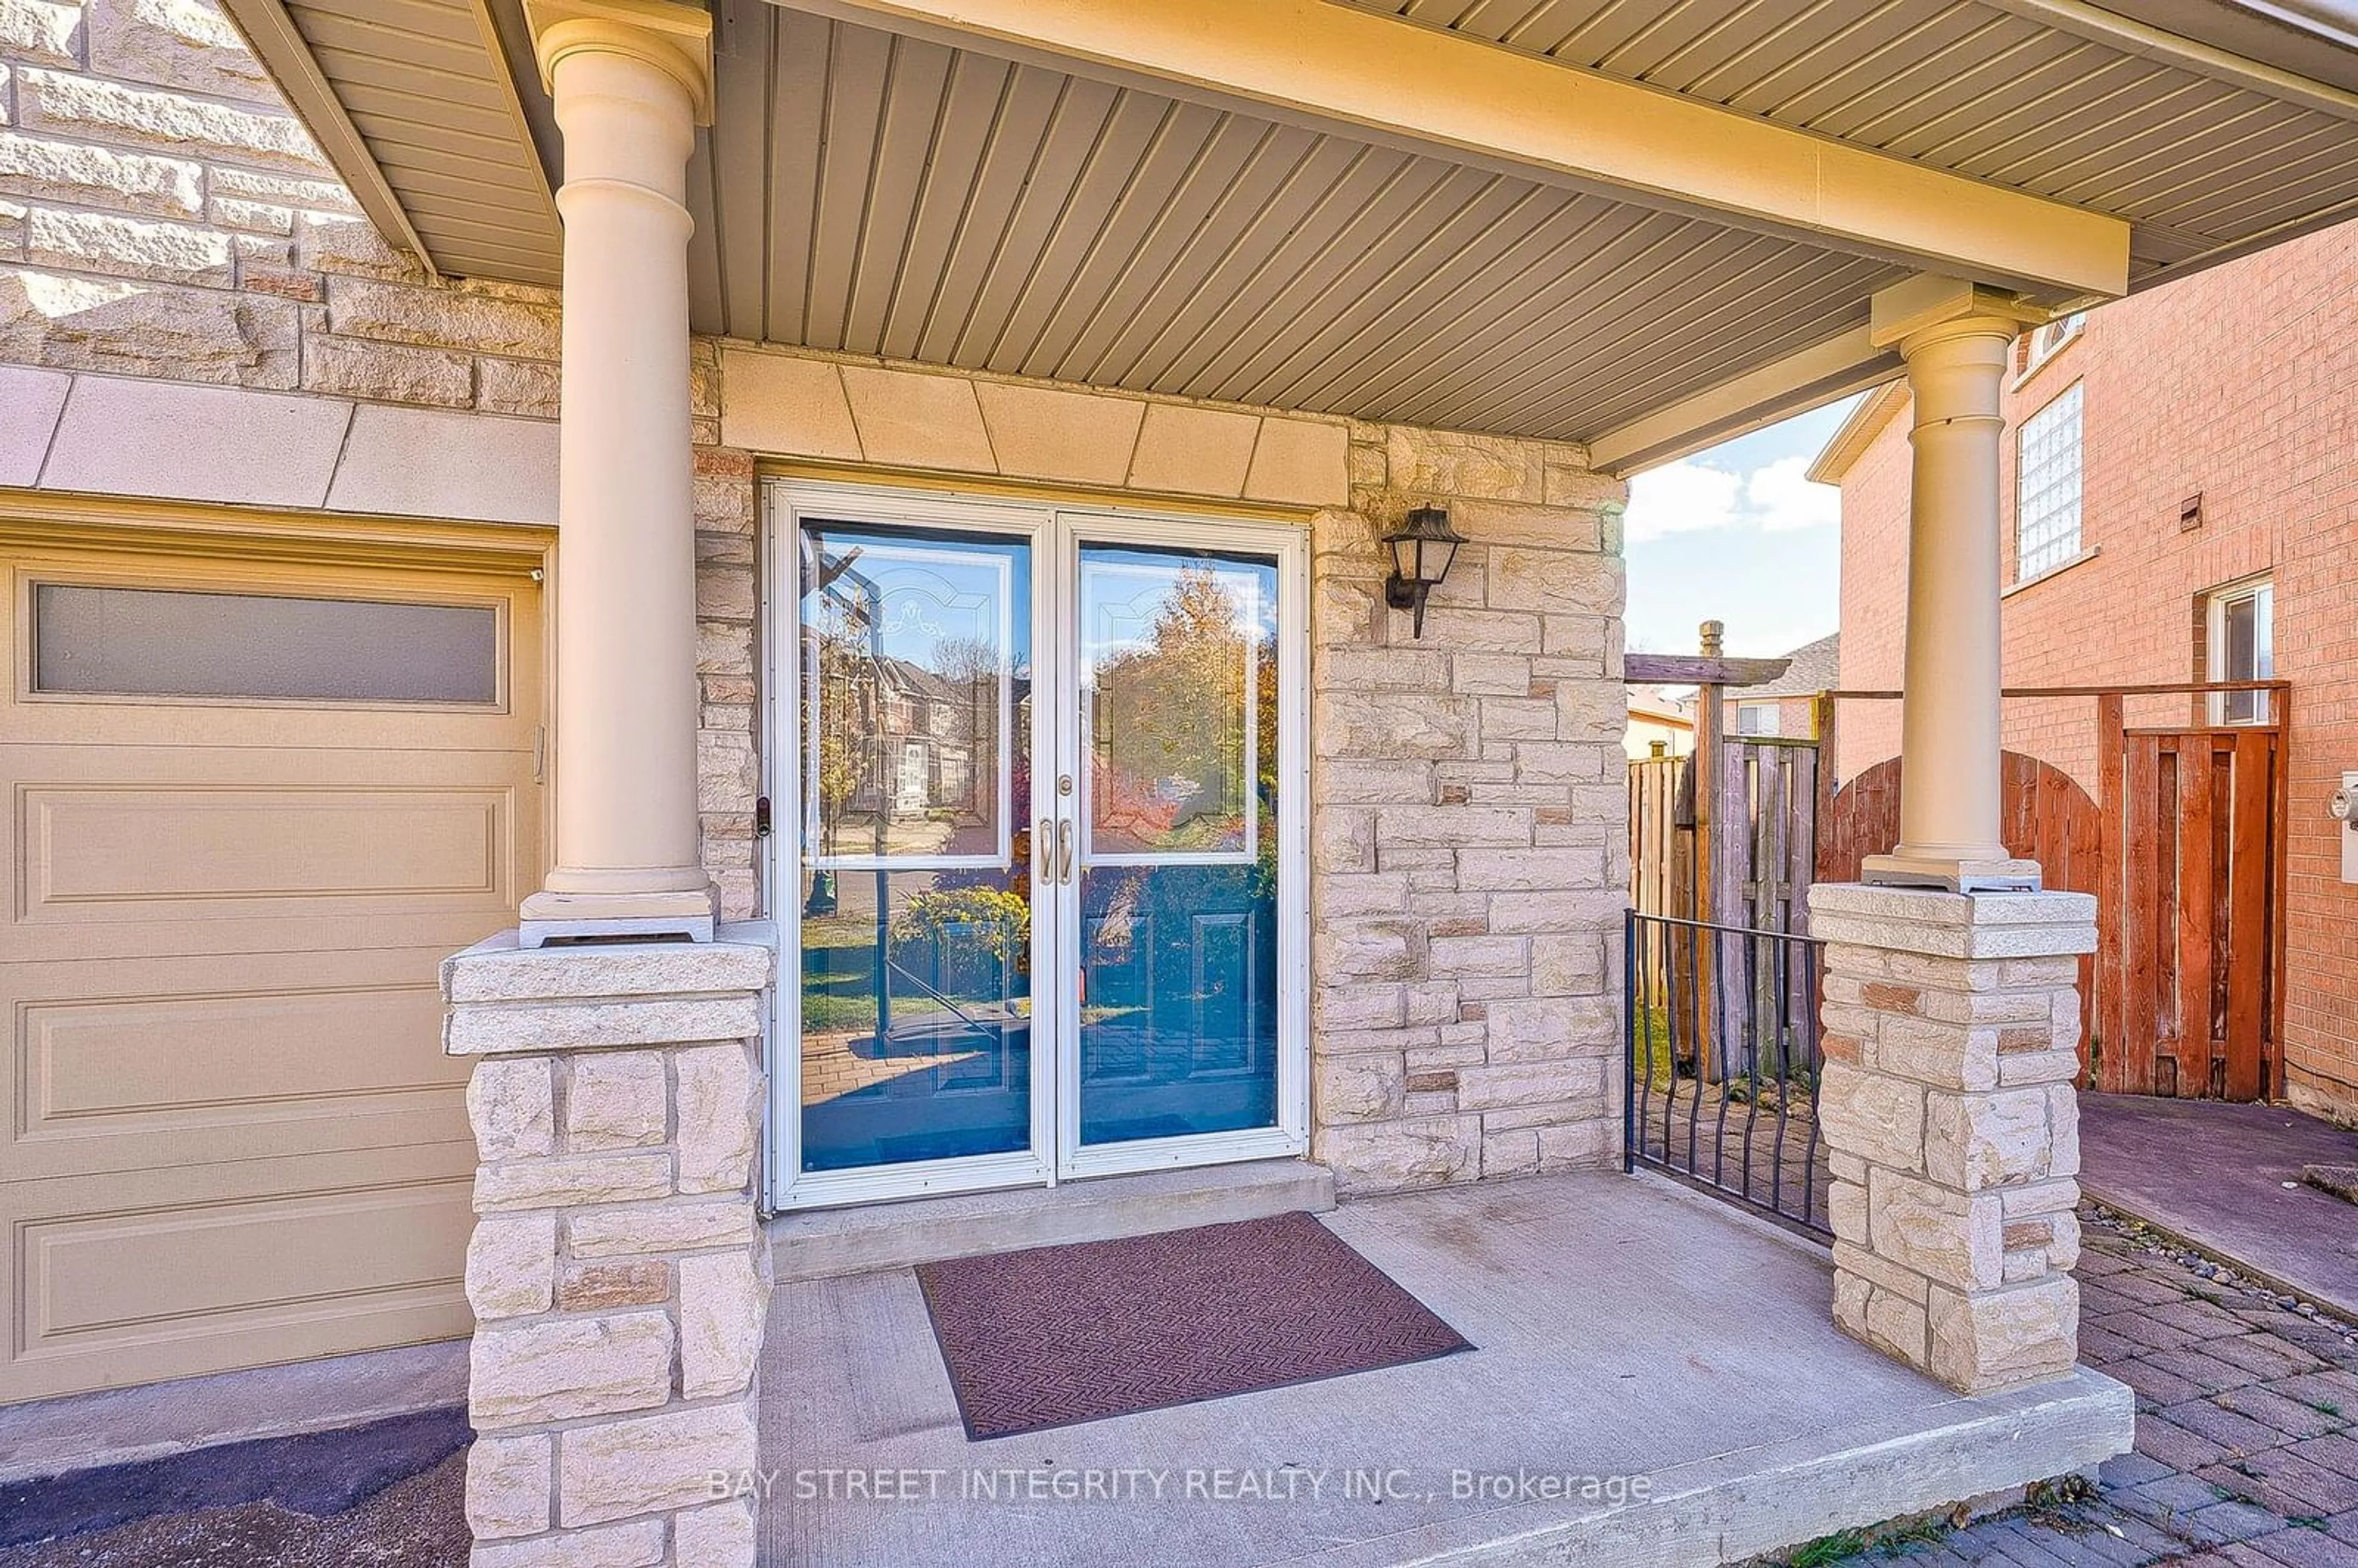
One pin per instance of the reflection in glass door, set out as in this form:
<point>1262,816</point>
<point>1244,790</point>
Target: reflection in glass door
<point>1045,888</point>
<point>915,916</point>
<point>1177,710</point>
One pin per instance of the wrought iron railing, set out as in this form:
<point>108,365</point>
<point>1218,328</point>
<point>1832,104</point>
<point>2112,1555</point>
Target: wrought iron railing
<point>1723,1062</point>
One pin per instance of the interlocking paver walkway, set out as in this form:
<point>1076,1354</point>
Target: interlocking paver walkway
<point>2246,1431</point>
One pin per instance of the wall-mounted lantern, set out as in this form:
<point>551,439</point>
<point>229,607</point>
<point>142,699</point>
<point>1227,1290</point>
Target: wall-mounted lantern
<point>1422,547</point>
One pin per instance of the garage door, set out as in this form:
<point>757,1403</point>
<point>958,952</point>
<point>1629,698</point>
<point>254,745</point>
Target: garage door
<point>255,794</point>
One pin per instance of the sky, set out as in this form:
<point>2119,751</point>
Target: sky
<point>1736,533</point>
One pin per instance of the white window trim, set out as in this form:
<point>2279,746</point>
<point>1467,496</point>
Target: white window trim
<point>2044,348</point>
<point>1771,710</point>
<point>2214,642</point>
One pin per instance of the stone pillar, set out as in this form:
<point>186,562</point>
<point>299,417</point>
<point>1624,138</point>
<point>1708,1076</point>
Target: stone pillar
<point>630,82</point>
<point>1950,1044</point>
<point>619,1279</point>
<point>1958,341</point>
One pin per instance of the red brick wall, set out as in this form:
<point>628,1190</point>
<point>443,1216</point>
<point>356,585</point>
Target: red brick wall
<point>2242,384</point>
<point>1874,596</point>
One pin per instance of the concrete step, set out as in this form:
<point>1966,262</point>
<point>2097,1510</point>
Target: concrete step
<point>818,1244</point>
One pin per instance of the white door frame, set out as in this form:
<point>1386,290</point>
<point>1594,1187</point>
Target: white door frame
<point>1055,534</point>
<point>785,504</point>
<point>1291,1135</point>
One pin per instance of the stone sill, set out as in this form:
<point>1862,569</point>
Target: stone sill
<point>2057,569</point>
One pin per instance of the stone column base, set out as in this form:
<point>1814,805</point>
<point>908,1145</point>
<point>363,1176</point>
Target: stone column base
<point>1951,1047</point>
<point>618,1280</point>
<point>549,916</point>
<point>1950,876</point>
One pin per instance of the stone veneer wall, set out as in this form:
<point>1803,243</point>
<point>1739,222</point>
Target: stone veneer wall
<point>197,310</point>
<point>1952,1127</point>
<point>163,213</point>
<point>1470,854</point>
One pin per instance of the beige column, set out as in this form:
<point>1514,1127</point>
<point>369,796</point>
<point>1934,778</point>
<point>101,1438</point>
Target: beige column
<point>631,81</point>
<point>1958,341</point>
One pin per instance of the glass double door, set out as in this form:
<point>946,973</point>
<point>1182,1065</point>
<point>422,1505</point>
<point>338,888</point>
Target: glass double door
<point>1045,870</point>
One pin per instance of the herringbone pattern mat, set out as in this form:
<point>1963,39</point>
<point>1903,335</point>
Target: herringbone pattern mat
<point>1058,1335</point>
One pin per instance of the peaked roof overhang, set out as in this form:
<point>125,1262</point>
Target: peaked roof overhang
<point>1855,434</point>
<point>1637,228</point>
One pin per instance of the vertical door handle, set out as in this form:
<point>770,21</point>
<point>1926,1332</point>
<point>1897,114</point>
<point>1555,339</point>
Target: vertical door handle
<point>1064,851</point>
<point>1043,851</point>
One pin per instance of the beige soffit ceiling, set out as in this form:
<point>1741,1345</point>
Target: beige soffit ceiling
<point>415,102</point>
<point>921,203</point>
<point>884,181</point>
<point>2204,152</point>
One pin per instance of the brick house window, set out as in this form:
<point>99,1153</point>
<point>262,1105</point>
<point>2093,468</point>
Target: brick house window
<point>2241,644</point>
<point>1756,719</point>
<point>2042,342</point>
<point>2047,487</point>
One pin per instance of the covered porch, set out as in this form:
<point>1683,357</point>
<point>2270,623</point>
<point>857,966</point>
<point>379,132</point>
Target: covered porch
<point>1652,1371</point>
<point>1313,268</point>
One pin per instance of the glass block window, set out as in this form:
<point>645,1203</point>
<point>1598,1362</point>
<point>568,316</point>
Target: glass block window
<point>2047,487</point>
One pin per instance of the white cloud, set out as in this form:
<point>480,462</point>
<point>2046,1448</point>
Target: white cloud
<point>1782,499</point>
<point>1692,496</point>
<point>1680,498</point>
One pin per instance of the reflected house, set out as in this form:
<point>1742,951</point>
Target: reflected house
<point>908,749</point>
<point>915,981</point>
<point>926,732</point>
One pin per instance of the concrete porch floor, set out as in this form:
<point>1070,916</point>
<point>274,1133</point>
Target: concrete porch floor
<point>1624,1328</point>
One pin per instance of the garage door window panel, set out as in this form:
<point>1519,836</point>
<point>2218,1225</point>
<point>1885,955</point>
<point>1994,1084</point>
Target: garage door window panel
<point>92,640</point>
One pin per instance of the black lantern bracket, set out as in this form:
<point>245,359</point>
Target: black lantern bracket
<point>1421,548</point>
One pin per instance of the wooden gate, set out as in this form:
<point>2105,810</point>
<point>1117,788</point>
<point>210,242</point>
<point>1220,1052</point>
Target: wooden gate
<point>1661,849</point>
<point>2184,995</point>
<point>1757,831</point>
<point>1764,830</point>
<point>2196,914</point>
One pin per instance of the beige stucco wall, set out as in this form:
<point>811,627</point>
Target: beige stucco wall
<point>191,308</point>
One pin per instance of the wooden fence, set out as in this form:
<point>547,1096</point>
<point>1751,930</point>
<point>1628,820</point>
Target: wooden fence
<point>2184,851</point>
<point>1728,835</point>
<point>1661,850</point>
